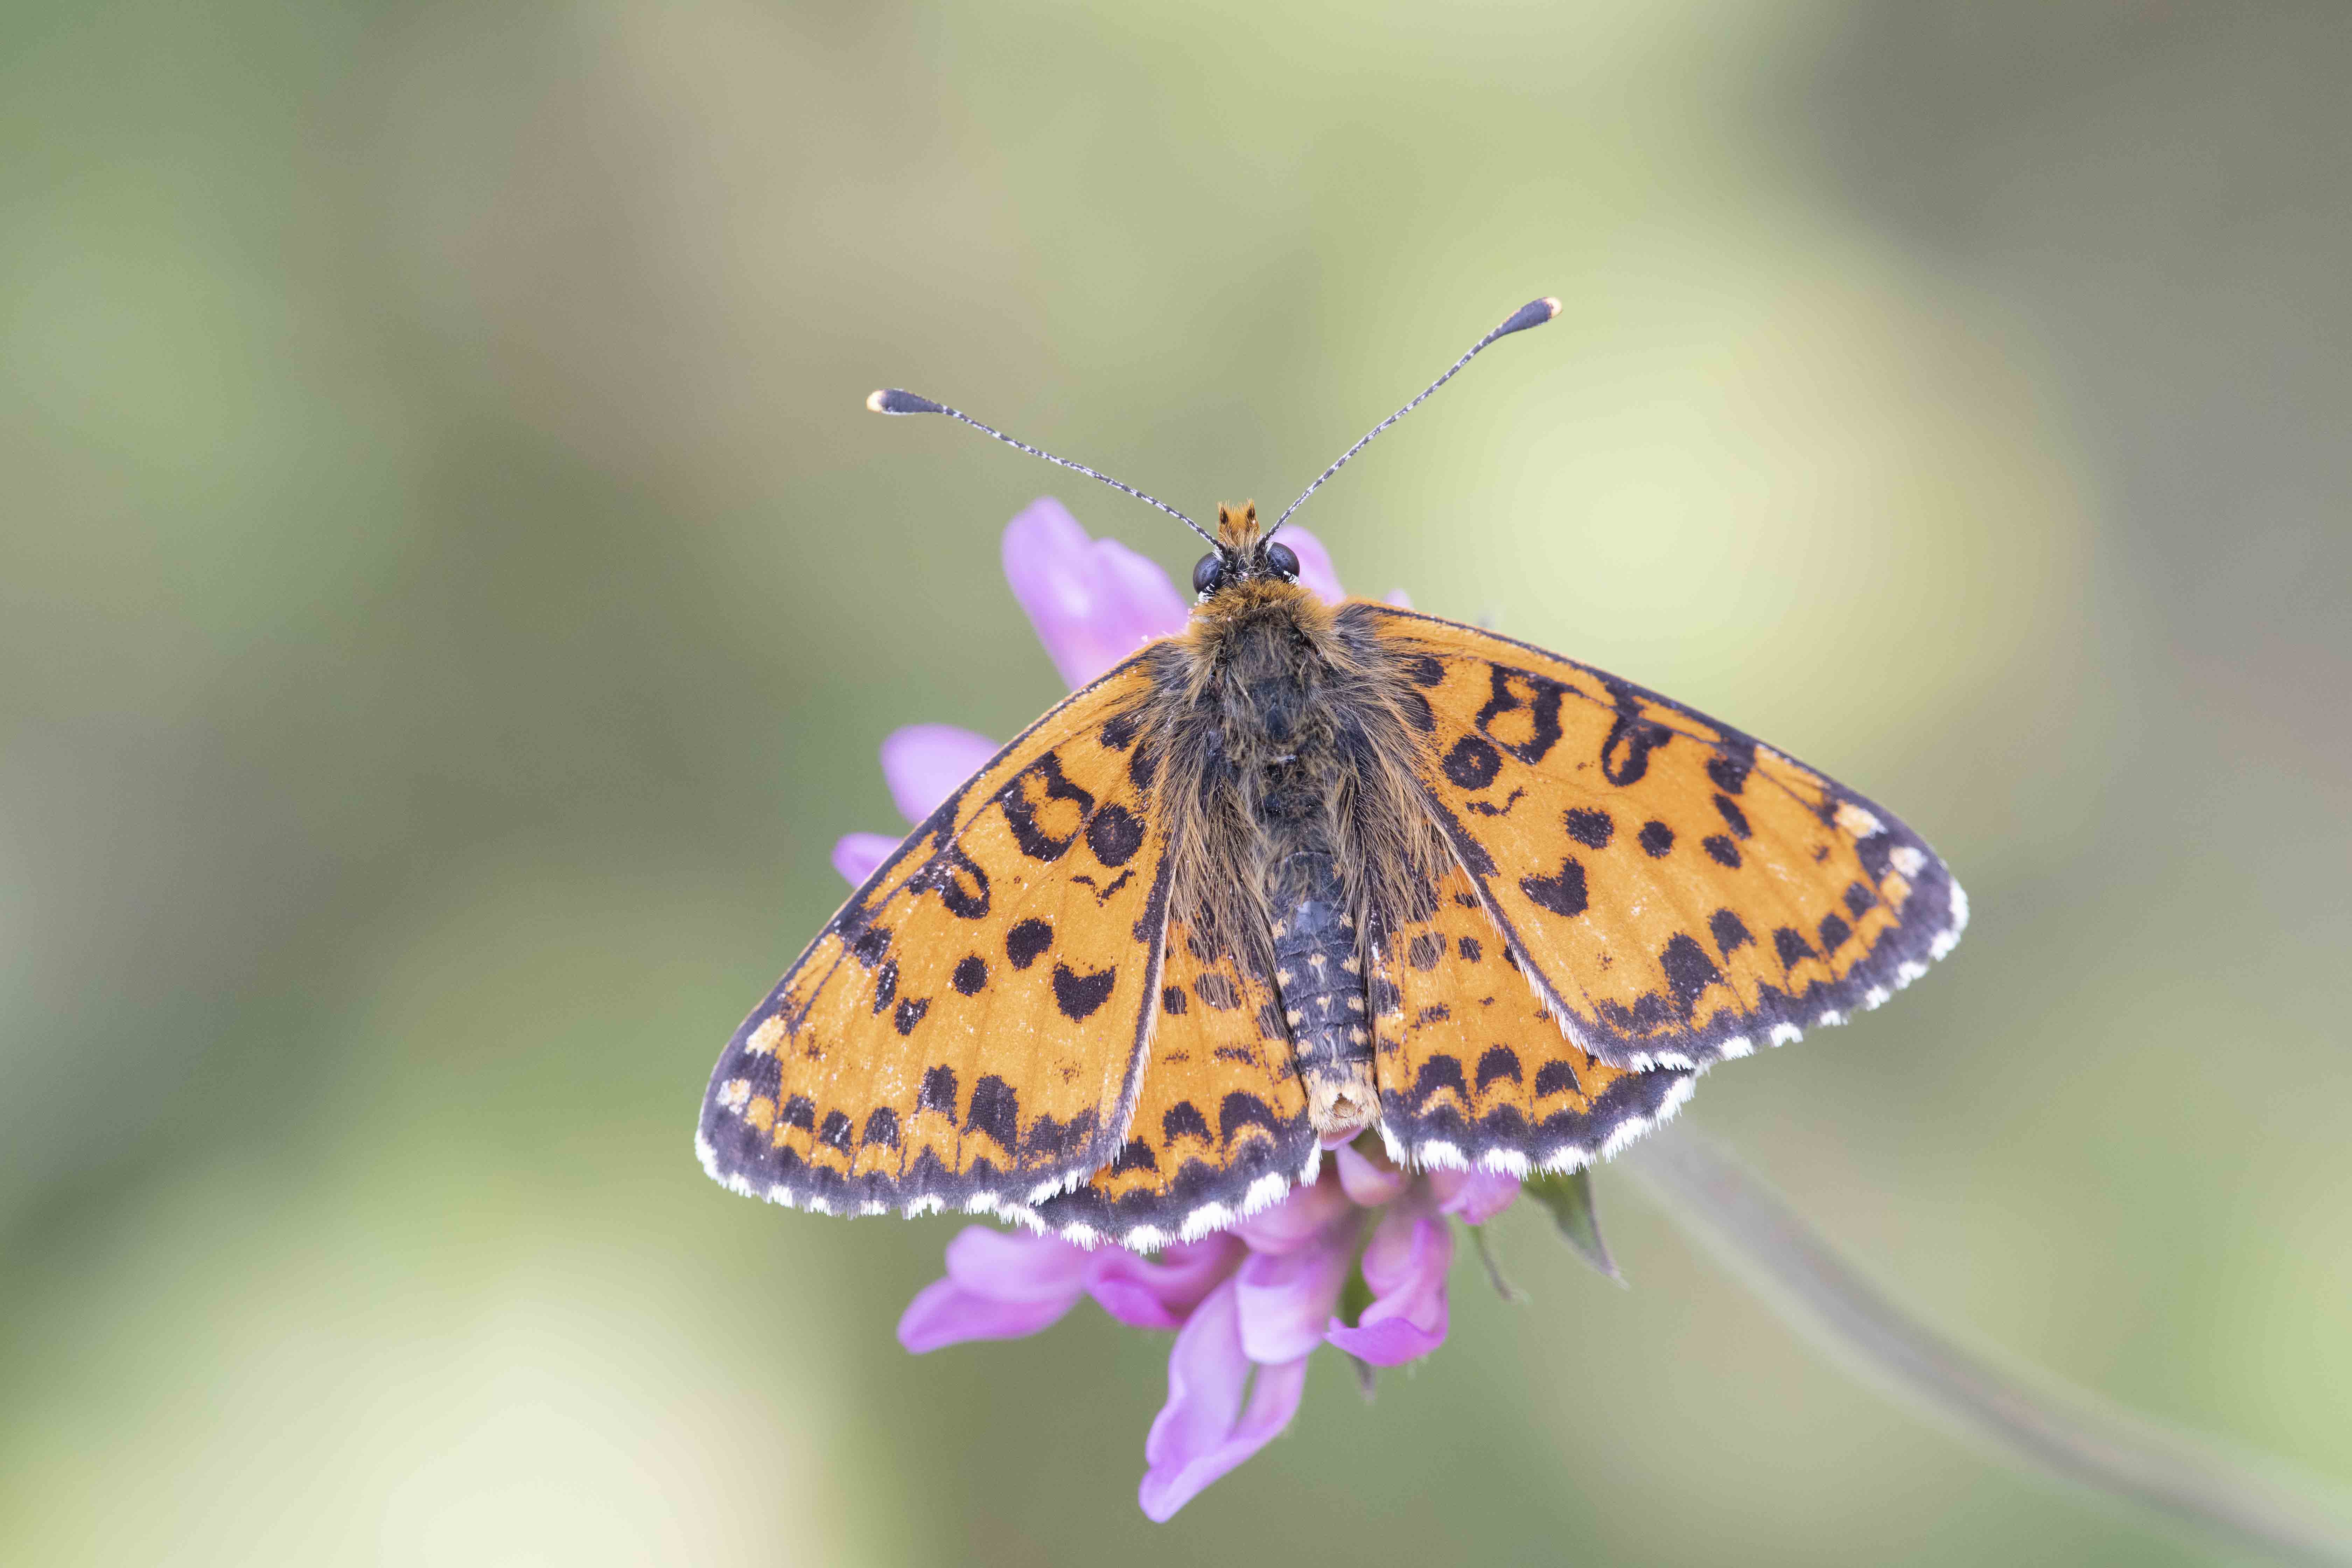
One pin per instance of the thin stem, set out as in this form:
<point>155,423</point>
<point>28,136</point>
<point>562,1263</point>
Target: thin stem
<point>2066,1433</point>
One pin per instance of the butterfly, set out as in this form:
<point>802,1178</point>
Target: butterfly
<point>1298,873</point>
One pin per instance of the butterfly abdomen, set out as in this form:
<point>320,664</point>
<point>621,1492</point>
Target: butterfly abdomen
<point>1319,974</point>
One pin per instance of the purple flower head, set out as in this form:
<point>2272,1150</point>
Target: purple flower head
<point>1249,1306</point>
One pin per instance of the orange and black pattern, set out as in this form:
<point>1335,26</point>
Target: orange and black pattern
<point>1221,1128</point>
<point>1473,1071</point>
<point>1675,892</point>
<point>968,1031</point>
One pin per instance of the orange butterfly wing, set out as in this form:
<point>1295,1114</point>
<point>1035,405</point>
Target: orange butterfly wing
<point>968,1031</point>
<point>1220,1129</point>
<point>1674,891</point>
<point>1472,1070</point>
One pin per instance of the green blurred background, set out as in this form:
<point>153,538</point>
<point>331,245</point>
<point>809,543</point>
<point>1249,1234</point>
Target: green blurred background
<point>450,595</point>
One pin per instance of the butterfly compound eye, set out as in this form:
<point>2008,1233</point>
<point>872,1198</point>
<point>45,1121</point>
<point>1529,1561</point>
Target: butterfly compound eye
<point>1284,562</point>
<point>1207,573</point>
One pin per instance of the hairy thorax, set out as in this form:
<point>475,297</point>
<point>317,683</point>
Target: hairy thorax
<point>1298,832</point>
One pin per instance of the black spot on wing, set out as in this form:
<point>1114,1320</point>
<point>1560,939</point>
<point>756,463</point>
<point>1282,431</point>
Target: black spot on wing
<point>1689,971</point>
<point>971,976</point>
<point>938,1092</point>
<point>1114,833</point>
<point>798,1111</point>
<point>996,1111</point>
<point>1563,892</point>
<point>1136,1156</point>
<point>834,1132</point>
<point>1081,996</point>
<point>1025,941</point>
<point>1790,945</point>
<point>1859,897</point>
<point>881,1128</point>
<point>1172,1000</point>
<point>1733,817</point>
<point>1835,931</point>
<point>1590,828</point>
<point>1423,670</point>
<point>1730,768</point>
<point>1472,764</point>
<point>886,986</point>
<point>1425,950</point>
<point>1721,850</point>
<point>1657,838</point>
<point>1556,1078</point>
<point>1731,932</point>
<point>867,948</point>
<point>1184,1120</point>
<point>1437,1074</point>
<point>909,1014</point>
<point>1050,1141</point>
<point>1468,948</point>
<point>1498,1062</point>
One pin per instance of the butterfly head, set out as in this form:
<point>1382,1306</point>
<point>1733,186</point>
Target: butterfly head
<point>1242,556</point>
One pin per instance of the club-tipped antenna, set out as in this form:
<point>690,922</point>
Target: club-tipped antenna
<point>1534,313</point>
<point>891,400</point>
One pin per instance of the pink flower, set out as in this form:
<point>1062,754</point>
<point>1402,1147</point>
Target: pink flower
<point>1249,1306</point>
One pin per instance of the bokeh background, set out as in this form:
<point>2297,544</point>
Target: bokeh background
<point>450,596</point>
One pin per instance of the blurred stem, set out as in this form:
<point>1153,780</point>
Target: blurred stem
<point>2067,1434</point>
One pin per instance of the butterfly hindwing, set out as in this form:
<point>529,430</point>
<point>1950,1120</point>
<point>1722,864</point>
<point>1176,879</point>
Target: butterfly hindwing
<point>966,1032</point>
<point>1473,1071</point>
<point>1677,893</point>
<point>1220,1128</point>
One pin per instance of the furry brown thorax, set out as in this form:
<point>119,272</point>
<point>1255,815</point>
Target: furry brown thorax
<point>1298,831</point>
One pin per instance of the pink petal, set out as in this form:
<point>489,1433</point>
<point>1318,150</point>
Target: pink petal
<point>1016,1266</point>
<point>1297,1221</point>
<point>1147,1293</point>
<point>1093,602</point>
<point>1392,1342</point>
<point>1315,571</point>
<point>1203,1431</point>
<point>1405,1266</point>
<point>1474,1197</point>
<point>858,854</point>
<point>1286,1299</point>
<point>1367,1182</point>
<point>1399,598</point>
<point>923,763</point>
<point>944,1313</point>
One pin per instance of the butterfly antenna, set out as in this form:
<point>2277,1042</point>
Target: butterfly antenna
<point>890,400</point>
<point>1534,313</point>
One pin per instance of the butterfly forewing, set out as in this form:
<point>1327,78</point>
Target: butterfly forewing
<point>1677,892</point>
<point>968,1031</point>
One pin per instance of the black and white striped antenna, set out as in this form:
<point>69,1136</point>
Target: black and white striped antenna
<point>891,400</point>
<point>1534,313</point>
